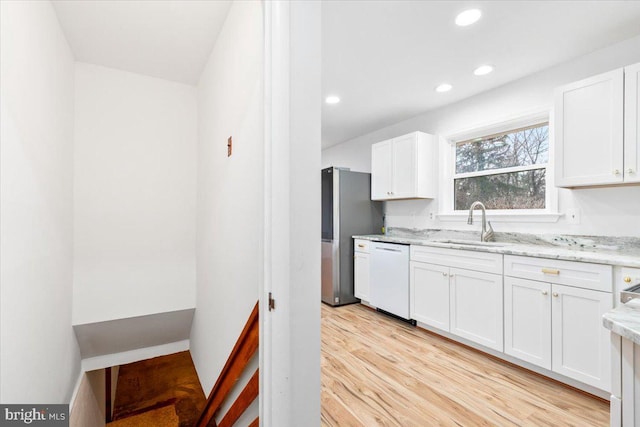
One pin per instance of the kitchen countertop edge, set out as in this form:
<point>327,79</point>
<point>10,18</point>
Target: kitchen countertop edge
<point>624,320</point>
<point>516,249</point>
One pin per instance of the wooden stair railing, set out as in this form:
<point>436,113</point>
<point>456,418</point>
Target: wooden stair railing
<point>236,364</point>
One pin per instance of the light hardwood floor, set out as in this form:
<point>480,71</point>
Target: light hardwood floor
<point>377,371</point>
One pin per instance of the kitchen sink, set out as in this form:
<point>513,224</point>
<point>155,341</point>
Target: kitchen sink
<point>471,243</point>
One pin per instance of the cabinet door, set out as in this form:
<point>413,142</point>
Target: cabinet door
<point>476,307</point>
<point>589,131</point>
<point>361,275</point>
<point>404,182</point>
<point>527,320</point>
<point>429,294</point>
<point>581,345</point>
<point>381,161</point>
<point>632,123</point>
<point>630,382</point>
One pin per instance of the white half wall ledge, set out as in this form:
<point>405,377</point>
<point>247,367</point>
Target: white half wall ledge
<point>125,357</point>
<point>133,333</point>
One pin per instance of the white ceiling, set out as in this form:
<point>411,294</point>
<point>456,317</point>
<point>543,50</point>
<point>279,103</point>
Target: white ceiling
<point>384,58</point>
<point>160,38</point>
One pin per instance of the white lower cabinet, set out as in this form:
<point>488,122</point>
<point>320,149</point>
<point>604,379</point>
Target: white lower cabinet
<point>625,394</point>
<point>630,385</point>
<point>361,269</point>
<point>559,327</point>
<point>527,320</point>
<point>464,302</point>
<point>581,347</point>
<point>542,311</point>
<point>476,307</point>
<point>429,294</point>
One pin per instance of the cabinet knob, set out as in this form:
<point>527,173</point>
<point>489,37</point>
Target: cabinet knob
<point>451,275</point>
<point>555,294</point>
<point>444,274</point>
<point>544,292</point>
<point>616,172</point>
<point>630,171</point>
<point>627,279</point>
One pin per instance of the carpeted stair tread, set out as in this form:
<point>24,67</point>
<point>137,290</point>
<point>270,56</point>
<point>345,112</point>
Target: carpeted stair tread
<point>160,381</point>
<point>161,417</point>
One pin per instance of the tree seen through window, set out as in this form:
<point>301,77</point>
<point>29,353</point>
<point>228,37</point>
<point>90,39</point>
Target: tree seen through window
<point>506,171</point>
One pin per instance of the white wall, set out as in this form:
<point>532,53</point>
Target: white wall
<point>603,211</point>
<point>39,357</point>
<point>135,195</point>
<point>230,189</point>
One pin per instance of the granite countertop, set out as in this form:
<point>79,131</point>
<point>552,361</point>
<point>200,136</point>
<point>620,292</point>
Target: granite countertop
<point>624,320</point>
<point>621,251</point>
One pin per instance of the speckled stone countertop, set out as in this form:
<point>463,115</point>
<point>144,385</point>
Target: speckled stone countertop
<point>624,320</point>
<point>622,251</point>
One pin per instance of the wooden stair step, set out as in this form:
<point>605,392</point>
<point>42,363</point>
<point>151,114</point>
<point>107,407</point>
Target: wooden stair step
<point>161,417</point>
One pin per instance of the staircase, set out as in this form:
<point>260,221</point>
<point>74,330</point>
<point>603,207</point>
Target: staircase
<point>165,387</point>
<point>161,417</point>
<point>165,391</point>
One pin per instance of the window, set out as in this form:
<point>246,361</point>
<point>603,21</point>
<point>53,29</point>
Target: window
<point>505,171</point>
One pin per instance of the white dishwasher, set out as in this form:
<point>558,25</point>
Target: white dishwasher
<point>389,285</point>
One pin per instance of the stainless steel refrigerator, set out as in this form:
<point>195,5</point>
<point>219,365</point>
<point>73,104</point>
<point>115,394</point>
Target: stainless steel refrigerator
<point>347,209</point>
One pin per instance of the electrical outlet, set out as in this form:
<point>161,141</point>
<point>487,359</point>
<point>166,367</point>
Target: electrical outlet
<point>573,216</point>
<point>431,215</point>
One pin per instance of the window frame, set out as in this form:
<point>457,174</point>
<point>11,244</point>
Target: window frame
<point>448,175</point>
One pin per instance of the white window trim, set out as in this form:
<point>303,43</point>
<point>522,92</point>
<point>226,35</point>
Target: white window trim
<point>447,157</point>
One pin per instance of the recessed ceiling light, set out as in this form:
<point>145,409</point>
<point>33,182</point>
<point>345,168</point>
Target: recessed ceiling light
<point>332,99</point>
<point>482,70</point>
<point>444,87</point>
<point>468,17</point>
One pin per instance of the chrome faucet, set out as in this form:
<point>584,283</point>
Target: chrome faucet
<point>485,235</point>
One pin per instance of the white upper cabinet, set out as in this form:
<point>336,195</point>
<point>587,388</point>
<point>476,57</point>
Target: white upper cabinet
<point>404,167</point>
<point>632,123</point>
<point>381,155</point>
<point>596,130</point>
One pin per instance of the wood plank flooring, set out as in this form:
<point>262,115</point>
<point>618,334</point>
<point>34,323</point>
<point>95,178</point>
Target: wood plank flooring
<point>377,371</point>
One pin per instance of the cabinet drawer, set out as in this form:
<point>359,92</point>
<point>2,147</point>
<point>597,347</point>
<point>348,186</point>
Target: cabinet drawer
<point>361,245</point>
<point>583,275</point>
<point>469,260</point>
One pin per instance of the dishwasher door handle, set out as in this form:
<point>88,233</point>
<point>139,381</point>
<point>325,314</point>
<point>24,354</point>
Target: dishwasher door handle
<point>388,249</point>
